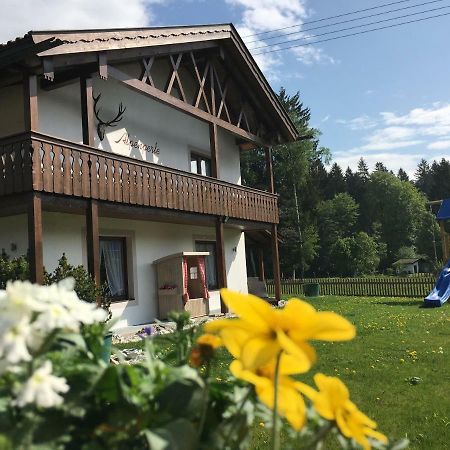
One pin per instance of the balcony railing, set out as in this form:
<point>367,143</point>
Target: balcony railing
<point>36,162</point>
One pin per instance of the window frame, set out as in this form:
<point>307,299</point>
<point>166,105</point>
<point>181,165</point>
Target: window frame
<point>198,157</point>
<point>123,240</point>
<point>205,241</point>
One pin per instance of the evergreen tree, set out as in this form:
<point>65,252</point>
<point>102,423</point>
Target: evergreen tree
<point>380,167</point>
<point>424,180</point>
<point>402,175</point>
<point>440,174</point>
<point>363,170</point>
<point>335,183</point>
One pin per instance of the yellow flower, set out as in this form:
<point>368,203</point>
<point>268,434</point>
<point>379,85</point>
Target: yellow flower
<point>290,403</point>
<point>261,332</point>
<point>332,402</point>
<point>209,339</point>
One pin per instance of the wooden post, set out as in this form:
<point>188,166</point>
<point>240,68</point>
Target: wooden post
<point>276,262</point>
<point>214,146</point>
<point>35,249</point>
<point>30,109</point>
<point>220,260</point>
<point>261,264</point>
<point>445,240</point>
<point>269,170</point>
<point>93,241</point>
<point>87,111</point>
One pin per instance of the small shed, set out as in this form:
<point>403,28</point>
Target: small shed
<point>419,264</point>
<point>182,284</point>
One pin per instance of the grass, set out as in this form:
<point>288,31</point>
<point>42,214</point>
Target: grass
<point>398,344</point>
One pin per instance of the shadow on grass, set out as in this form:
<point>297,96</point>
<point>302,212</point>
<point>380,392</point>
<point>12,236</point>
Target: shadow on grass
<point>418,303</point>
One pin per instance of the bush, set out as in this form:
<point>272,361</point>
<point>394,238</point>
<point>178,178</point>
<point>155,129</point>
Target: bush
<point>13,269</point>
<point>85,286</point>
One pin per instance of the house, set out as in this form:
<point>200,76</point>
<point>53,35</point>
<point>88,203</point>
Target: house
<point>120,147</point>
<point>419,264</point>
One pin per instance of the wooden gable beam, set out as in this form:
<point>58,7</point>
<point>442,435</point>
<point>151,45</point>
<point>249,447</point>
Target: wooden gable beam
<point>176,103</point>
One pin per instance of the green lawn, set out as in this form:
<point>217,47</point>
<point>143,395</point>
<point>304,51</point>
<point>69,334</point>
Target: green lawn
<point>397,341</point>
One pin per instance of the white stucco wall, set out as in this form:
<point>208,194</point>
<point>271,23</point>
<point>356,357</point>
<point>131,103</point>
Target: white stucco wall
<point>145,121</point>
<point>147,241</point>
<point>11,110</point>
<point>59,112</point>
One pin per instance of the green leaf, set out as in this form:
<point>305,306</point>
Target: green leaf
<point>177,435</point>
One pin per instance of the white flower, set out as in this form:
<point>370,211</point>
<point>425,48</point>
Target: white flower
<point>19,300</point>
<point>56,316</point>
<point>43,388</point>
<point>13,341</point>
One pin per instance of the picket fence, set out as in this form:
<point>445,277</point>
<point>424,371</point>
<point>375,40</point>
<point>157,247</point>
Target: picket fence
<point>407,286</point>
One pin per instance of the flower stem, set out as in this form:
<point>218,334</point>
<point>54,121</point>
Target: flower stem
<point>321,434</point>
<point>235,417</point>
<point>275,432</point>
<point>205,401</point>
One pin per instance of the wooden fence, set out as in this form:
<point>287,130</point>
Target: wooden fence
<point>408,286</point>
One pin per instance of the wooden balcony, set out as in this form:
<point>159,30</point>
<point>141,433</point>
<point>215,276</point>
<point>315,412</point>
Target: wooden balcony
<point>36,162</point>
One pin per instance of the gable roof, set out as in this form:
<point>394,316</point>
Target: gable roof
<point>405,261</point>
<point>71,42</point>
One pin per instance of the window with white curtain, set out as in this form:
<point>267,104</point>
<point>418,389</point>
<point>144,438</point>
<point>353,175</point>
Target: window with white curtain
<point>113,266</point>
<point>210,262</point>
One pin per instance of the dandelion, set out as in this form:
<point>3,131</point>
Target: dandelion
<point>43,388</point>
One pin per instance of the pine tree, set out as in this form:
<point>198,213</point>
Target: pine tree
<point>424,180</point>
<point>380,167</point>
<point>335,183</point>
<point>363,170</point>
<point>402,175</point>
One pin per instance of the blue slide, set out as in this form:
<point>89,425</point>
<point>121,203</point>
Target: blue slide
<point>441,292</point>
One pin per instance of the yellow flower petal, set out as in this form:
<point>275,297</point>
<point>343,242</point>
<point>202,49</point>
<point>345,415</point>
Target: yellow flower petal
<point>376,435</point>
<point>290,403</point>
<point>289,365</point>
<point>310,324</point>
<point>249,308</point>
<point>333,327</point>
<point>292,349</point>
<point>237,369</point>
<point>258,351</point>
<point>234,340</point>
<point>210,340</point>
<point>333,403</point>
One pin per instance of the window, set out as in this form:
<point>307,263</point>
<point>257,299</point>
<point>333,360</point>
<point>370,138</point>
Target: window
<point>200,165</point>
<point>210,262</point>
<point>113,266</point>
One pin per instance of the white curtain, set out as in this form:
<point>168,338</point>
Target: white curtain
<point>112,254</point>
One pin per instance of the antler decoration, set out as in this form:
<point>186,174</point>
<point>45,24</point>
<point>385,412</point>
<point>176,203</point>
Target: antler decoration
<point>102,125</point>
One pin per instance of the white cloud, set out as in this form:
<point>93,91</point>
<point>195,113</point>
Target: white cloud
<point>438,114</point>
<point>20,17</point>
<point>266,15</point>
<point>392,131</point>
<point>363,122</point>
<point>439,145</point>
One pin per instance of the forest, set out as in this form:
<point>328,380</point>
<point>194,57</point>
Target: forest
<point>339,222</point>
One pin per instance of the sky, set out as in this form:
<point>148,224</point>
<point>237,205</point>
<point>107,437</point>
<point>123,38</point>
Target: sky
<point>384,96</point>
